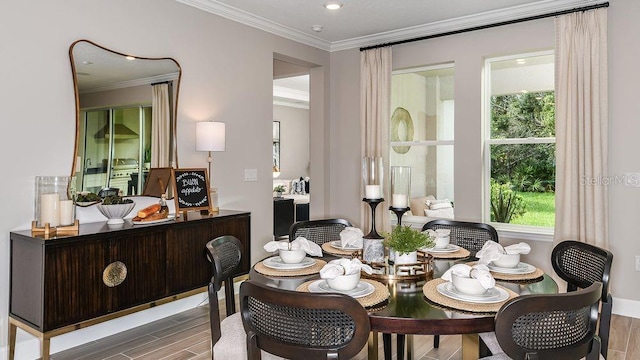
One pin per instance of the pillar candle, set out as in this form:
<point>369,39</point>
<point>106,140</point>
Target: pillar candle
<point>372,192</point>
<point>399,200</point>
<point>49,209</point>
<point>66,212</point>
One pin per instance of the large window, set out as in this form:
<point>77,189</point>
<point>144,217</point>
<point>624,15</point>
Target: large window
<point>421,131</point>
<point>520,140</point>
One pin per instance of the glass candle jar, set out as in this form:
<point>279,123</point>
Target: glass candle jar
<point>54,201</point>
<point>372,175</point>
<point>400,186</point>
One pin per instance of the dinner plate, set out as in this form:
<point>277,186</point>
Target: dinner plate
<point>275,262</point>
<point>521,268</point>
<point>447,249</point>
<point>338,245</point>
<point>168,218</point>
<point>493,295</point>
<point>362,289</point>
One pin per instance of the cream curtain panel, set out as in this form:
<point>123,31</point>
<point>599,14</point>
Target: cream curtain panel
<point>581,127</point>
<point>375,95</point>
<point>161,142</point>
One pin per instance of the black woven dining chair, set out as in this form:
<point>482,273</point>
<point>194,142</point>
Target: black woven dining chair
<point>299,325</point>
<point>548,327</point>
<point>580,265</point>
<point>318,231</point>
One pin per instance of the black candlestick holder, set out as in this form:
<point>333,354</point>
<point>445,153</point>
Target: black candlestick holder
<point>373,203</point>
<point>399,211</point>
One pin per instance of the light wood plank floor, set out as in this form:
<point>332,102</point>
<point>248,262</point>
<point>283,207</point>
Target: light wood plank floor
<point>187,336</point>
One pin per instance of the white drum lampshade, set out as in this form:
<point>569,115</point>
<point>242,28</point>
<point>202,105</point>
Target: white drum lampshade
<point>210,136</point>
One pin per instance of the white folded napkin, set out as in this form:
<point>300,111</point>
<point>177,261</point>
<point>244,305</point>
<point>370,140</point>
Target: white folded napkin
<point>335,268</point>
<point>480,272</point>
<point>351,237</point>
<point>491,251</point>
<point>300,243</point>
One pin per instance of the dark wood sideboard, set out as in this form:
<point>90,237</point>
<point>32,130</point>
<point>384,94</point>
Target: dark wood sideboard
<point>60,284</point>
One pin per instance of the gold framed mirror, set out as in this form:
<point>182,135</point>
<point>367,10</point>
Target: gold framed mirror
<point>126,108</point>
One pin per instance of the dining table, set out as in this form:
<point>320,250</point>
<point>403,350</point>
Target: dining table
<point>414,307</point>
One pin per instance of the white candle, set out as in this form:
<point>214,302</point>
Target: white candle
<point>372,192</point>
<point>399,200</point>
<point>66,212</point>
<point>49,209</point>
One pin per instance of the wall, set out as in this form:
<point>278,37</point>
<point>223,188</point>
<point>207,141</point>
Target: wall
<point>227,76</point>
<point>294,141</point>
<point>468,51</point>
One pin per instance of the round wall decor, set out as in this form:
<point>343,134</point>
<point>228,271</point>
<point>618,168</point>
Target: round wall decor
<point>401,129</point>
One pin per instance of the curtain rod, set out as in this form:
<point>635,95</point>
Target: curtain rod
<point>161,82</point>
<point>482,27</point>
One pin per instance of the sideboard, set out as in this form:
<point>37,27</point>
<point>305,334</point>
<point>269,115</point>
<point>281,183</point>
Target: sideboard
<point>63,283</point>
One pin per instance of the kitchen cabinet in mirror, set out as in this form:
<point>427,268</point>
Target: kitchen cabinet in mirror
<point>126,108</point>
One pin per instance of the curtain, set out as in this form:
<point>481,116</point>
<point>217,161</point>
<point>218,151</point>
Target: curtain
<point>581,127</point>
<point>375,93</point>
<point>161,123</point>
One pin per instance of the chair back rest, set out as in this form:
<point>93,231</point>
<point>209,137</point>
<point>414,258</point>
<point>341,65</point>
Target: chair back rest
<point>468,235</point>
<point>318,231</point>
<point>557,326</point>
<point>581,264</point>
<point>299,325</point>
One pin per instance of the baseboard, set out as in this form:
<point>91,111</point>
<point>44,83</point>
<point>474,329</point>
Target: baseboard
<point>625,307</point>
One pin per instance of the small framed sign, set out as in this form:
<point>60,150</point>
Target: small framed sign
<point>157,182</point>
<point>191,189</point>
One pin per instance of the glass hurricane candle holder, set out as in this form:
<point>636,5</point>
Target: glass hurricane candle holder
<point>54,203</point>
<point>400,186</point>
<point>372,175</point>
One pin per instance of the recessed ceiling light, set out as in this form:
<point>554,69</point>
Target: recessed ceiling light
<point>130,58</point>
<point>87,62</point>
<point>333,5</point>
<point>521,61</point>
<point>316,28</point>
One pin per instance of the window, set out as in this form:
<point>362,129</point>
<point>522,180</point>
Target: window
<point>520,140</point>
<point>421,129</point>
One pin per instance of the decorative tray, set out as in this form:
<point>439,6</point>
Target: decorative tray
<point>388,271</point>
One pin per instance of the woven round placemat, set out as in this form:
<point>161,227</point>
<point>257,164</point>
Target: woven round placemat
<point>429,290</point>
<point>461,253</point>
<point>314,269</point>
<point>379,295</point>
<point>535,276</point>
<point>326,247</point>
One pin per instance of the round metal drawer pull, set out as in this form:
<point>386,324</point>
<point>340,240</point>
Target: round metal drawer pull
<point>114,274</point>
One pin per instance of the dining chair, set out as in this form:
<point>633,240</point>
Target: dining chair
<point>318,231</point>
<point>557,326</point>
<point>302,325</point>
<point>580,265</point>
<point>468,235</point>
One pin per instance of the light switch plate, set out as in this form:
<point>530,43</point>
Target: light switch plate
<point>250,174</point>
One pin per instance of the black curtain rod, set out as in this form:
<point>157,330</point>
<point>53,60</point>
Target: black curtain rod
<point>482,27</point>
<point>161,82</point>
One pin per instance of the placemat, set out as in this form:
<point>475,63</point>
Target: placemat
<point>461,253</point>
<point>535,276</point>
<point>379,295</point>
<point>429,290</point>
<point>314,269</point>
<point>326,247</point>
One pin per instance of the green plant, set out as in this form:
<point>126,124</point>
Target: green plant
<point>506,204</point>
<point>279,188</point>
<point>115,200</point>
<point>404,239</point>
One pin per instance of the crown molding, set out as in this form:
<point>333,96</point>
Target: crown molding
<point>464,22</point>
<point>132,83</point>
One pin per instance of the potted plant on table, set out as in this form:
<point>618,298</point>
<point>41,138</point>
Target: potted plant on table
<point>405,241</point>
<point>278,190</point>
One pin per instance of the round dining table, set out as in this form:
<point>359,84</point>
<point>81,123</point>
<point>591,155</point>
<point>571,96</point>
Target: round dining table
<point>408,311</point>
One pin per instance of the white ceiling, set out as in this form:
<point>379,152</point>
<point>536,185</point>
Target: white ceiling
<point>369,22</point>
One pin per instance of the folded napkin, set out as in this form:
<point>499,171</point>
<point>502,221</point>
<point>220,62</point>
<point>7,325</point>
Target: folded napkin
<point>335,268</point>
<point>351,237</point>
<point>491,251</point>
<point>300,243</point>
<point>478,271</point>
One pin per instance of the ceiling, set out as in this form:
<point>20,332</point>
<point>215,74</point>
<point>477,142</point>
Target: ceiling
<point>369,22</point>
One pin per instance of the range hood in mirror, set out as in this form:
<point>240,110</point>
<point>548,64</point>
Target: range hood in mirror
<point>121,132</point>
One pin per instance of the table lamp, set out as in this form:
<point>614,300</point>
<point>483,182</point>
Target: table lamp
<point>210,136</point>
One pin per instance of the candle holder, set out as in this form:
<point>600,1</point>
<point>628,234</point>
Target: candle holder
<point>399,212</point>
<point>372,243</point>
<point>400,186</point>
<point>372,175</point>
<point>54,205</point>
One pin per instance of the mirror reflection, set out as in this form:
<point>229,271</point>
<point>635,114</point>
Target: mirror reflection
<point>126,107</point>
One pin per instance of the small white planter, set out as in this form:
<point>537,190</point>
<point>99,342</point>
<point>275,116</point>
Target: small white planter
<point>410,258</point>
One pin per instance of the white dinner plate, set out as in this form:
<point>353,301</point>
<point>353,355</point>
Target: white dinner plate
<point>447,249</point>
<point>521,268</point>
<point>168,218</point>
<point>362,289</point>
<point>338,245</point>
<point>275,262</point>
<point>493,295</point>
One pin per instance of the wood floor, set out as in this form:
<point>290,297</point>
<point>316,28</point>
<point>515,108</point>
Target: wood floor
<point>187,336</point>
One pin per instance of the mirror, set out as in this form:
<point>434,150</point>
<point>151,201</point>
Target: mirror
<point>126,108</point>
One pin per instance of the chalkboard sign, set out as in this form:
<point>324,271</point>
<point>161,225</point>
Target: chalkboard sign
<point>192,189</point>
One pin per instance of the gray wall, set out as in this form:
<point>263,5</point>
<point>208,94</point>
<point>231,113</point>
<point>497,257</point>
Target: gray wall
<point>294,141</point>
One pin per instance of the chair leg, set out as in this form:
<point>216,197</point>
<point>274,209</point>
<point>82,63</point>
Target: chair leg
<point>400,346</point>
<point>605,325</point>
<point>386,343</point>
<point>436,341</point>
<point>229,297</point>
<point>594,354</point>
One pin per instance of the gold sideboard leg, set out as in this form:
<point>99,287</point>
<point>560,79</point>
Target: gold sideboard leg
<point>372,346</point>
<point>12,339</point>
<point>45,342</point>
<point>470,347</point>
